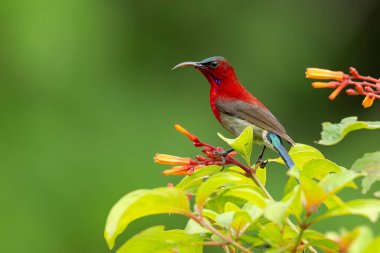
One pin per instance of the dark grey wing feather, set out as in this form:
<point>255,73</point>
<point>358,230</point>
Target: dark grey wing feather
<point>255,115</point>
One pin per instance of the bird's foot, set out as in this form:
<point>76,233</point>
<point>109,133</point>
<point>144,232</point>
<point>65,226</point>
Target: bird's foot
<point>261,163</point>
<point>223,156</point>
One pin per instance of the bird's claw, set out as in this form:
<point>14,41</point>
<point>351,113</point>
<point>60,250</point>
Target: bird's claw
<point>223,156</point>
<point>261,163</point>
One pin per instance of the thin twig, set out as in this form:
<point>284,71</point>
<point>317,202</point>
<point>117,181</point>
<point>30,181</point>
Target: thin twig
<point>226,249</point>
<point>214,243</point>
<point>288,221</point>
<point>201,222</point>
<point>214,158</point>
<point>299,239</point>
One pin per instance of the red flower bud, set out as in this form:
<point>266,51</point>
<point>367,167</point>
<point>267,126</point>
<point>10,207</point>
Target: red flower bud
<point>206,149</point>
<point>232,153</point>
<point>351,92</point>
<point>359,89</point>
<point>200,158</point>
<point>209,154</point>
<point>198,167</point>
<point>368,89</point>
<point>354,72</point>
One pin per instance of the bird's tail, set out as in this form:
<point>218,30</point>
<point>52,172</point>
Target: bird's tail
<point>281,150</point>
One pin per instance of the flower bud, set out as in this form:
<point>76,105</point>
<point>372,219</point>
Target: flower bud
<point>316,73</point>
<point>319,85</point>
<point>359,89</point>
<point>172,160</point>
<point>200,158</point>
<point>176,170</point>
<point>182,130</point>
<point>368,101</point>
<point>354,72</point>
<point>351,92</point>
<point>368,89</point>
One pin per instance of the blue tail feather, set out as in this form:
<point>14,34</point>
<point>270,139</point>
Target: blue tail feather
<point>281,150</point>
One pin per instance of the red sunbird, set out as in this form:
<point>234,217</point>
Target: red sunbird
<point>235,108</point>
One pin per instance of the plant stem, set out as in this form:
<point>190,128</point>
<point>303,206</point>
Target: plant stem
<point>299,239</point>
<point>226,249</point>
<point>253,176</point>
<point>213,243</point>
<point>216,232</point>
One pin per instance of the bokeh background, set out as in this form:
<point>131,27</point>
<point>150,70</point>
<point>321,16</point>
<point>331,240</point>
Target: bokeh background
<point>87,96</point>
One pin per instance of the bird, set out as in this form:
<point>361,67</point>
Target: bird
<point>236,108</point>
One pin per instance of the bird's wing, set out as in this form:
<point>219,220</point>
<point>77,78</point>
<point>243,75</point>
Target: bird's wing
<point>255,115</point>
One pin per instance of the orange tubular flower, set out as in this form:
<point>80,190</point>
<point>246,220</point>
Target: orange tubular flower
<point>319,85</point>
<point>189,135</point>
<point>172,160</point>
<point>337,91</point>
<point>177,170</point>
<point>316,73</point>
<point>368,101</point>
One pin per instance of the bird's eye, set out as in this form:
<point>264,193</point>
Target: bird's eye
<point>214,64</point>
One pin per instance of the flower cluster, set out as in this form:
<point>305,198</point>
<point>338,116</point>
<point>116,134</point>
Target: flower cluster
<point>186,166</point>
<point>363,85</point>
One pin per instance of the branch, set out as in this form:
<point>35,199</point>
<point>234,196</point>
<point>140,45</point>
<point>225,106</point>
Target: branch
<point>214,156</point>
<point>201,222</point>
<point>363,85</point>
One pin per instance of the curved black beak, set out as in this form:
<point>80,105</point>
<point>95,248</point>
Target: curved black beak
<point>188,64</point>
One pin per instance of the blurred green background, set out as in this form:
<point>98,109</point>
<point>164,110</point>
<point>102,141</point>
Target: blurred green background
<point>87,96</point>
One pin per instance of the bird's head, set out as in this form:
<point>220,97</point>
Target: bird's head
<point>216,69</point>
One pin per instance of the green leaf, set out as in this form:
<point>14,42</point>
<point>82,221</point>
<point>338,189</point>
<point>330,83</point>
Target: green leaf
<point>242,144</point>
<point>210,214</point>
<point>301,153</point>
<point>333,183</point>
<point>261,174</point>
<point>369,208</point>
<point>319,168</point>
<point>225,219</point>
<point>313,193</point>
<point>156,240</point>
<point>292,182</point>
<point>318,239</point>
<point>272,234</point>
<point>231,207</point>
<point>334,133</point>
<point>216,181</point>
<point>373,246</point>
<point>196,179</point>
<point>294,172</point>
<point>278,211</point>
<point>142,203</point>
<point>253,240</point>
<point>240,222</point>
<point>370,165</point>
<point>333,201</point>
<point>253,211</point>
<point>363,237</point>
<point>192,227</point>
<point>247,193</point>
<point>354,241</point>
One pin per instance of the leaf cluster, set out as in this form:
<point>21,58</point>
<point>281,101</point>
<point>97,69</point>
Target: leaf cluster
<point>236,212</point>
